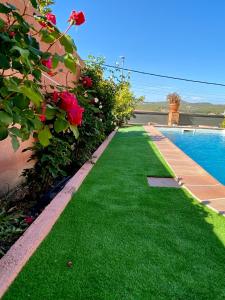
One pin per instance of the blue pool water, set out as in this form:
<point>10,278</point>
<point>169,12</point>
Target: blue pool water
<point>206,147</point>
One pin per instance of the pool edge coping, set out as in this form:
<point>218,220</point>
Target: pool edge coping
<point>21,251</point>
<point>152,131</point>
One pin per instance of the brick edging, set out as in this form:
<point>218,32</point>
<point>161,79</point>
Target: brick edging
<point>17,256</point>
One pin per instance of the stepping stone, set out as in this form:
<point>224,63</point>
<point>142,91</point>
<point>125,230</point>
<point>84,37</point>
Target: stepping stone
<point>164,182</point>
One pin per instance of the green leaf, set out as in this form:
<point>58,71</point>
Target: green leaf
<point>75,131</point>
<point>50,112</point>
<point>70,62</point>
<point>24,55</point>
<point>47,37</point>
<point>15,142</point>
<point>11,84</point>
<point>44,136</point>
<point>37,124</point>
<point>15,131</point>
<point>4,63</point>
<point>37,74</point>
<point>56,59</point>
<point>21,101</point>
<point>2,23</point>
<point>60,125</point>
<point>34,95</point>
<point>23,52</point>
<point>5,9</point>
<point>24,26</point>
<point>34,3</point>
<point>68,44</point>
<point>3,133</point>
<point>5,118</point>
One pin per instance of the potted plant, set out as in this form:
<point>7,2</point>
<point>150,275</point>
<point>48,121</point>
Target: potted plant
<point>174,102</point>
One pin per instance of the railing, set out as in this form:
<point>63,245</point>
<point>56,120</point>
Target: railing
<point>145,117</point>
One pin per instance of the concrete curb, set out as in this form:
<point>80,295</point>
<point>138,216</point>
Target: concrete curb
<point>14,260</point>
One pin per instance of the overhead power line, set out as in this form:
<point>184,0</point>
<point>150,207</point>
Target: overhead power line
<point>164,76</point>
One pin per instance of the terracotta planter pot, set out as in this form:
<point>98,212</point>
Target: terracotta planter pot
<point>174,107</point>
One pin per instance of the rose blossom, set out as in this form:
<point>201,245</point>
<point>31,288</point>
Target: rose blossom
<point>77,18</point>
<point>55,96</point>
<point>29,219</point>
<point>75,115</point>
<point>12,34</point>
<point>51,18</point>
<point>87,82</point>
<point>68,101</point>
<point>42,117</point>
<point>47,63</point>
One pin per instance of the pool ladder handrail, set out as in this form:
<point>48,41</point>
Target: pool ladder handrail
<point>193,130</point>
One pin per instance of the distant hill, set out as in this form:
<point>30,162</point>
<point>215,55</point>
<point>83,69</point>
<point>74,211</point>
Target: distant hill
<point>187,107</point>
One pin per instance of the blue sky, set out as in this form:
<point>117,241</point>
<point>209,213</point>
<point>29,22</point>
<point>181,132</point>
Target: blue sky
<point>184,38</point>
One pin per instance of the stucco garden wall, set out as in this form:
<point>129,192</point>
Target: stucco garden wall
<point>12,163</point>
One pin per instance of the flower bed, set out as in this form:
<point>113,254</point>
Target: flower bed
<point>67,122</point>
<point>21,251</point>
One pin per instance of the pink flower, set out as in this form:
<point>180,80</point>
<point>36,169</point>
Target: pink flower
<point>87,82</point>
<point>75,115</point>
<point>77,18</point>
<point>47,63</point>
<point>29,219</point>
<point>51,18</point>
<point>68,101</point>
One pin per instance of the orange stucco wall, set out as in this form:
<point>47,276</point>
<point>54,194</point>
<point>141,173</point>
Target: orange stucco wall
<point>12,163</point>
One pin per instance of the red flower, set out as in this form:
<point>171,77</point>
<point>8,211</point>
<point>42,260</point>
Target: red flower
<point>42,118</point>
<point>68,101</point>
<point>70,104</point>
<point>51,18</point>
<point>75,115</point>
<point>55,96</point>
<point>29,220</point>
<point>12,34</point>
<point>87,82</point>
<point>50,73</point>
<point>47,63</point>
<point>42,23</point>
<point>77,18</point>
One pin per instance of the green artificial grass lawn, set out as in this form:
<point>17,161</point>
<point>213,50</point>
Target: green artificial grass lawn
<point>127,240</point>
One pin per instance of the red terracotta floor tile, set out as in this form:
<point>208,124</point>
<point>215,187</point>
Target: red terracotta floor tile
<point>207,192</point>
<point>218,204</point>
<point>199,180</point>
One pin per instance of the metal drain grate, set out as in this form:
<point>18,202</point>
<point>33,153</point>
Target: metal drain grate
<point>164,182</point>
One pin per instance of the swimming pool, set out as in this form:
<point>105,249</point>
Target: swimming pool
<point>206,147</point>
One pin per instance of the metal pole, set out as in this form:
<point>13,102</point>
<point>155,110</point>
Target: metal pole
<point>123,63</point>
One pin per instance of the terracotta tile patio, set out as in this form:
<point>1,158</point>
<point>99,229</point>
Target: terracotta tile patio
<point>194,178</point>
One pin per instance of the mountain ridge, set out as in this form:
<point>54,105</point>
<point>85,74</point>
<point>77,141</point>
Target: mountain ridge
<point>186,107</point>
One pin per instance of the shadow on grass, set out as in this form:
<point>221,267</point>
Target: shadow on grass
<point>128,240</point>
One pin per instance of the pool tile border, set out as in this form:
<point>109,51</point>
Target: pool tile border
<point>18,255</point>
<point>204,187</point>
